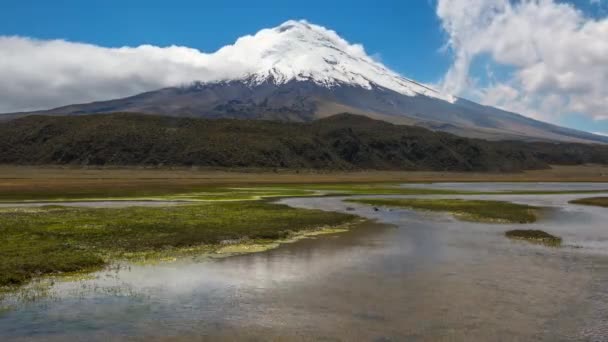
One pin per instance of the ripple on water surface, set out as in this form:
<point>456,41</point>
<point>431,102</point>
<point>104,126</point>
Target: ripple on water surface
<point>408,275</point>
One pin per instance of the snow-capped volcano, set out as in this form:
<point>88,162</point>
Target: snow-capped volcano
<point>299,51</point>
<point>301,72</point>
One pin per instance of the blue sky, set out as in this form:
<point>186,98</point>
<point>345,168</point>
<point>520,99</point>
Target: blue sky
<point>407,36</point>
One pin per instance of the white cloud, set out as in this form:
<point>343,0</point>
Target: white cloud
<point>559,55</point>
<point>39,74</point>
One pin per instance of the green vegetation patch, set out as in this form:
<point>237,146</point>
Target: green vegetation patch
<point>383,188</point>
<point>536,236</point>
<point>240,193</point>
<point>218,193</point>
<point>595,201</point>
<point>195,195</point>
<point>469,210</point>
<point>372,189</point>
<point>58,239</point>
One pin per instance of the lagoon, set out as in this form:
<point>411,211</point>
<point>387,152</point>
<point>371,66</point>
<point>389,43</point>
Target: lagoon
<point>402,275</point>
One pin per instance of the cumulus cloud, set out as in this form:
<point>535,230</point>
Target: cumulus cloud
<point>559,56</point>
<point>41,74</point>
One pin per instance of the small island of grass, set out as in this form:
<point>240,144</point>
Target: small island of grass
<point>55,239</point>
<point>536,236</point>
<point>469,210</point>
<point>595,201</point>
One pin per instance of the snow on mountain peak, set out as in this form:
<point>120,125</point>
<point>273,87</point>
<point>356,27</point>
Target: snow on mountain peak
<point>298,50</point>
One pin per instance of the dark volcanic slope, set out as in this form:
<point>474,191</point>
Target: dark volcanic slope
<point>301,101</point>
<point>340,142</point>
<point>301,72</point>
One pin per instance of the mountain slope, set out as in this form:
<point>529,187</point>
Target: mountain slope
<point>340,142</point>
<point>302,72</point>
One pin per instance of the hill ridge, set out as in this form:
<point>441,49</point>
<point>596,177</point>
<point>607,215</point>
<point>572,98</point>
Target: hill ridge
<point>345,142</point>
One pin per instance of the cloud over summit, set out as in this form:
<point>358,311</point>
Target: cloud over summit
<point>556,57</point>
<point>41,74</point>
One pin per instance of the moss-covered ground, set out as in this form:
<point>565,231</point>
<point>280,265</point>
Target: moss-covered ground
<point>198,193</point>
<point>54,239</point>
<point>154,194</point>
<point>469,210</point>
<point>595,201</point>
<point>536,236</point>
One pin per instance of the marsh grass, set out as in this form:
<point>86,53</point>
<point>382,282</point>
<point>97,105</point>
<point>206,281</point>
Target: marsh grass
<point>215,193</point>
<point>594,201</point>
<point>58,239</point>
<point>198,193</point>
<point>192,195</point>
<point>535,236</point>
<point>379,188</point>
<point>469,210</point>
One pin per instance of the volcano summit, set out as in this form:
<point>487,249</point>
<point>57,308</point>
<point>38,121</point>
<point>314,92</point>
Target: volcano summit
<point>301,72</point>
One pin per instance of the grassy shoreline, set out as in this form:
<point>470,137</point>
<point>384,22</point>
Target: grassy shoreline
<point>224,206</point>
<point>70,183</point>
<point>247,193</point>
<point>534,236</point>
<point>49,240</point>
<point>467,210</point>
<point>592,201</point>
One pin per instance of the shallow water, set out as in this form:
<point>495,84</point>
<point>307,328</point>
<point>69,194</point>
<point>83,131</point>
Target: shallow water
<point>406,276</point>
<point>511,186</point>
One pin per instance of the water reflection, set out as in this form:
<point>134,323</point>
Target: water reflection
<point>511,186</point>
<point>409,276</point>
